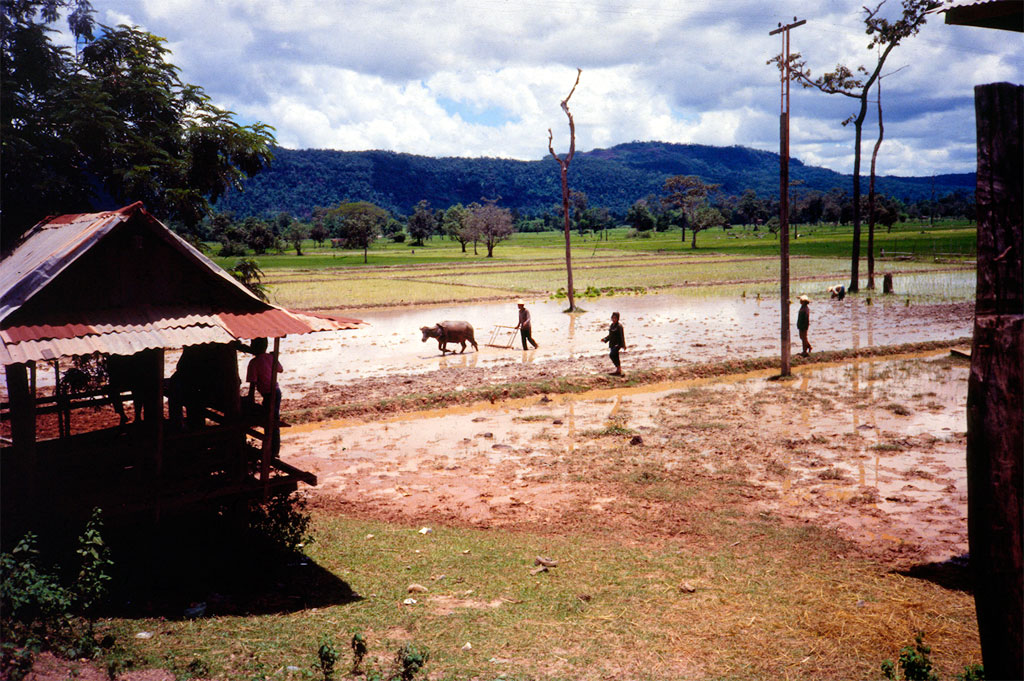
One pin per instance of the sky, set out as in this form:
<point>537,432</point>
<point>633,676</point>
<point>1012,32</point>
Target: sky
<point>478,78</point>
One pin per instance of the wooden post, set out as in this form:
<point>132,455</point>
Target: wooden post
<point>995,404</point>
<point>271,424</point>
<point>784,331</point>
<point>153,405</point>
<point>23,426</point>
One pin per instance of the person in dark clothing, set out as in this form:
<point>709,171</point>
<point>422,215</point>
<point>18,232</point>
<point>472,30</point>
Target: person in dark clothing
<point>803,322</point>
<point>260,375</point>
<point>524,325</point>
<point>616,340</point>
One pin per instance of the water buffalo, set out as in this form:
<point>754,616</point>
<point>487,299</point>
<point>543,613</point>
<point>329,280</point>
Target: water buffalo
<point>450,332</point>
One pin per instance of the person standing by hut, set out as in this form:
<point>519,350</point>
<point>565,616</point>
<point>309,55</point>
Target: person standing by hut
<point>616,340</point>
<point>803,322</point>
<point>260,376</point>
<point>525,327</point>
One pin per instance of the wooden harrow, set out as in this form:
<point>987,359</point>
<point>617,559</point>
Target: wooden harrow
<point>498,340</point>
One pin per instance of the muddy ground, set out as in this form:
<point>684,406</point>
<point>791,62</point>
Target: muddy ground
<point>873,449</point>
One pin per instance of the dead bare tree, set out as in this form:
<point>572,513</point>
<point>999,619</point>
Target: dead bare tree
<point>563,164</point>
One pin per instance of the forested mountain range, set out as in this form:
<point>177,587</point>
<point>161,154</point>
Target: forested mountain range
<point>613,178</point>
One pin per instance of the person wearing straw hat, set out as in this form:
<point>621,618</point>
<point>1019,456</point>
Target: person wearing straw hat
<point>524,325</point>
<point>803,322</point>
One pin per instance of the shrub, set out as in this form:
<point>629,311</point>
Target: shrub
<point>914,663</point>
<point>94,575</point>
<point>281,521</point>
<point>231,248</point>
<point>358,651</point>
<point>409,660</point>
<point>37,612</point>
<point>328,656</point>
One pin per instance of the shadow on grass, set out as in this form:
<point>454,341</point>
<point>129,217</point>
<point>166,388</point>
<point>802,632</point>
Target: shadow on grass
<point>188,569</point>
<point>953,574</point>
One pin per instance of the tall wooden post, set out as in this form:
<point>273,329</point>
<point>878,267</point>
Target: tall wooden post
<point>784,193</point>
<point>995,397</point>
<point>22,398</point>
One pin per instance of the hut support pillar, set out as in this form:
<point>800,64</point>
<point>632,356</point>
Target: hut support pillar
<point>995,404</point>
<point>21,394</point>
<point>271,426</point>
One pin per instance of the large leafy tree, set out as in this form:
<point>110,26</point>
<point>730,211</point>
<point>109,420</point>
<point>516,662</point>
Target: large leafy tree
<point>421,223</point>
<point>491,224</point>
<point>640,217</point>
<point>856,84</point>
<point>360,223</point>
<point>689,194</point>
<point>456,224</point>
<point>109,124</point>
<point>705,217</point>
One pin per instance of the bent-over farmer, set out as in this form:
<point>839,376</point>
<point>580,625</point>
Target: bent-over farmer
<point>524,325</point>
<point>803,322</point>
<point>616,340</point>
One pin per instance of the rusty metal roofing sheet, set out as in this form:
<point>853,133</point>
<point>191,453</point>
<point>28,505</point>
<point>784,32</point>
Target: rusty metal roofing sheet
<point>46,251</point>
<point>118,343</point>
<point>324,322</point>
<point>50,247</point>
<point>44,342</point>
<point>54,244</point>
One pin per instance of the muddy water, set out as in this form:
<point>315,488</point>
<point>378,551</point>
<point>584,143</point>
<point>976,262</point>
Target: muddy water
<point>661,329</point>
<point>903,457</point>
<point>884,465</point>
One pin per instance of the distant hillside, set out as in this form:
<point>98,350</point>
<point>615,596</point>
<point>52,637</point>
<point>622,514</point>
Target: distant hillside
<point>613,178</point>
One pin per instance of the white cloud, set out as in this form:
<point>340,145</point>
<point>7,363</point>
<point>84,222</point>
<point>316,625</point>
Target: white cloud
<point>485,77</point>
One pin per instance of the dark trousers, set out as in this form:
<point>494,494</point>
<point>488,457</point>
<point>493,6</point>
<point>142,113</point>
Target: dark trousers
<point>613,352</point>
<point>527,334</point>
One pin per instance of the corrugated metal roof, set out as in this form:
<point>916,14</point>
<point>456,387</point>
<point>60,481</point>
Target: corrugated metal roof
<point>50,247</point>
<point>122,342</point>
<point>1007,15</point>
<point>46,251</point>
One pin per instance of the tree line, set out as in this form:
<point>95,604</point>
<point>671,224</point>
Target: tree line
<point>686,203</point>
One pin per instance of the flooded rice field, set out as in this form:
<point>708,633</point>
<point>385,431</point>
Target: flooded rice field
<point>661,330</point>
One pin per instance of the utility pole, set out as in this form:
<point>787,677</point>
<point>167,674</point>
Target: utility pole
<point>784,188</point>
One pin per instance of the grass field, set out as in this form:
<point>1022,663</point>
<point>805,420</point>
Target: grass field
<point>534,264</point>
<point>778,595</point>
<point>955,240</point>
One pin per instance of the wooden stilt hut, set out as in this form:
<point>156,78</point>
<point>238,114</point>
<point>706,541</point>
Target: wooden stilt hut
<point>121,288</point>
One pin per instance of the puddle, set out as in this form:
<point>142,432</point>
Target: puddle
<point>876,450</point>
